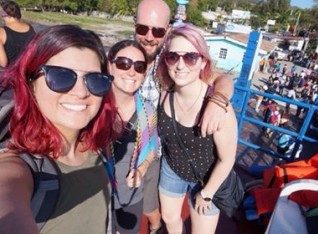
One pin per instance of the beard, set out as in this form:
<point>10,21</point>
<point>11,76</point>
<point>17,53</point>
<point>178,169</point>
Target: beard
<point>151,57</point>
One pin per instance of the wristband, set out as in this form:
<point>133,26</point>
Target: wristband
<point>214,101</point>
<point>223,97</point>
<point>205,197</point>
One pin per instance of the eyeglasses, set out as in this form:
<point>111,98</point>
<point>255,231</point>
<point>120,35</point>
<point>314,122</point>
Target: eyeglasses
<point>156,31</point>
<point>190,58</point>
<point>124,63</point>
<point>61,80</point>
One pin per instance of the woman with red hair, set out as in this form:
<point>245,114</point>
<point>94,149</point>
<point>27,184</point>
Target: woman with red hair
<point>63,111</point>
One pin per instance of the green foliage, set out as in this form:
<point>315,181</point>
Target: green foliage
<point>244,5</point>
<point>312,45</point>
<point>206,5</point>
<point>279,10</point>
<point>194,16</point>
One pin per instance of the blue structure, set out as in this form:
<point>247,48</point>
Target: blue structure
<point>242,95</point>
<point>244,79</point>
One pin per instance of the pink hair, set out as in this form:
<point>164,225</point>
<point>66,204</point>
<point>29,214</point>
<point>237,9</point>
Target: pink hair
<point>193,35</point>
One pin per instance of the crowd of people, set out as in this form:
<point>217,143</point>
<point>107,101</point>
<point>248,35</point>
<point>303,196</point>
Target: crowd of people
<point>96,116</point>
<point>292,84</point>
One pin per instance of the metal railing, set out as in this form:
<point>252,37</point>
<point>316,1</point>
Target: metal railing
<point>298,135</point>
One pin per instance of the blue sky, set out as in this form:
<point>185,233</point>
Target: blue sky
<point>302,3</point>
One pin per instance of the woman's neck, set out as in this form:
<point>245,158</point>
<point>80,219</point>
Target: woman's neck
<point>189,91</point>
<point>188,101</point>
<point>125,104</point>
<point>74,154</point>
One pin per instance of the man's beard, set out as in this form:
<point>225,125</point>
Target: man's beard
<point>151,57</point>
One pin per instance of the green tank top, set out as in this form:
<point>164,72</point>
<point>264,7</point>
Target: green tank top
<point>84,199</point>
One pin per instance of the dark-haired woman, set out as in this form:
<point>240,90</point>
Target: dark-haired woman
<point>63,111</point>
<point>15,35</point>
<point>131,157</point>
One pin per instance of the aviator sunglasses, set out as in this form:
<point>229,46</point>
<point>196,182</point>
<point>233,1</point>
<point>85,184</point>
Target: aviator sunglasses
<point>124,63</point>
<point>156,31</point>
<point>190,58</point>
<point>61,80</point>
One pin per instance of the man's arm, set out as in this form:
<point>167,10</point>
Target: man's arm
<point>214,115</point>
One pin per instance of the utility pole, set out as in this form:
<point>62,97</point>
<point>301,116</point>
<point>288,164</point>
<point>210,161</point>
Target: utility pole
<point>296,25</point>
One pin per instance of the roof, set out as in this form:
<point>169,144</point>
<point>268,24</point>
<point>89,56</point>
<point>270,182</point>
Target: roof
<point>243,39</point>
<point>284,37</point>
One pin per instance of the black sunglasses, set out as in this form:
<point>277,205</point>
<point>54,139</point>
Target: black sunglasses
<point>124,63</point>
<point>61,80</point>
<point>190,58</point>
<point>156,31</point>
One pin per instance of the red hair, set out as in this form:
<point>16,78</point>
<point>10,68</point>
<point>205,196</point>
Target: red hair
<point>30,130</point>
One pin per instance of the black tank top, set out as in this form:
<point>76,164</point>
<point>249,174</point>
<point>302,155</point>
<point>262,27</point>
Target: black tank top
<point>201,149</point>
<point>16,42</point>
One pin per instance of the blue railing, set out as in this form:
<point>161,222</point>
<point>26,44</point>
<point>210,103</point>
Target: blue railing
<point>298,135</point>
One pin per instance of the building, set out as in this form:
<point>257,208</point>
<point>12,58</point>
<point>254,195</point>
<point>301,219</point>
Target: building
<point>227,51</point>
<point>294,43</point>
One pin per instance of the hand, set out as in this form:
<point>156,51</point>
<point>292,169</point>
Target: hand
<point>212,120</point>
<point>134,178</point>
<point>201,206</point>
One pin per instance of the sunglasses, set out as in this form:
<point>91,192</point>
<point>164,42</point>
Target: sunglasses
<point>190,58</point>
<point>156,31</point>
<point>124,63</point>
<point>61,80</point>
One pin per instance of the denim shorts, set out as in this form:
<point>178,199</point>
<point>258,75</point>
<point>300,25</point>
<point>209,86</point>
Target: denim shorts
<point>172,185</point>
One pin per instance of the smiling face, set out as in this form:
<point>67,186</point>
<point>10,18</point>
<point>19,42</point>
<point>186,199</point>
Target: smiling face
<point>152,14</point>
<point>71,111</point>
<point>180,72</point>
<point>127,81</point>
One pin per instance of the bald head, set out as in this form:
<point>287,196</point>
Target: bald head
<point>156,10</point>
<point>152,15</point>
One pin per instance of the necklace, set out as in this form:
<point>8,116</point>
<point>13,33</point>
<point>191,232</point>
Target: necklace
<point>191,107</point>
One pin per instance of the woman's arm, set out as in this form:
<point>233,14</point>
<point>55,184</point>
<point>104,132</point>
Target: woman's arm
<point>16,188</point>
<point>226,143</point>
<point>3,55</point>
<point>213,117</point>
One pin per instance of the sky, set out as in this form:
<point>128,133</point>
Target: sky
<point>302,3</point>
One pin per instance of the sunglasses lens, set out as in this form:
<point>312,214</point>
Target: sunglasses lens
<point>98,84</point>
<point>140,66</point>
<point>141,29</point>
<point>191,58</point>
<point>158,32</point>
<point>123,63</point>
<point>172,58</point>
<point>59,79</point>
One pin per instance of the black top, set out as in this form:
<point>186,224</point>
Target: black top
<point>16,42</point>
<point>201,149</point>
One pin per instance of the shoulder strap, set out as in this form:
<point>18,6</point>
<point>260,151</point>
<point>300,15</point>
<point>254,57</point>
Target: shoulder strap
<point>208,93</point>
<point>5,115</point>
<point>46,187</point>
<point>6,109</point>
<point>180,142</point>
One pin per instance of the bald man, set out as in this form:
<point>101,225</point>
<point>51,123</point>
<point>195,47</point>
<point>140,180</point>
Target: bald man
<point>151,27</point>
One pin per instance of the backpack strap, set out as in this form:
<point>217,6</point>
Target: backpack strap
<point>5,115</point>
<point>46,187</point>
